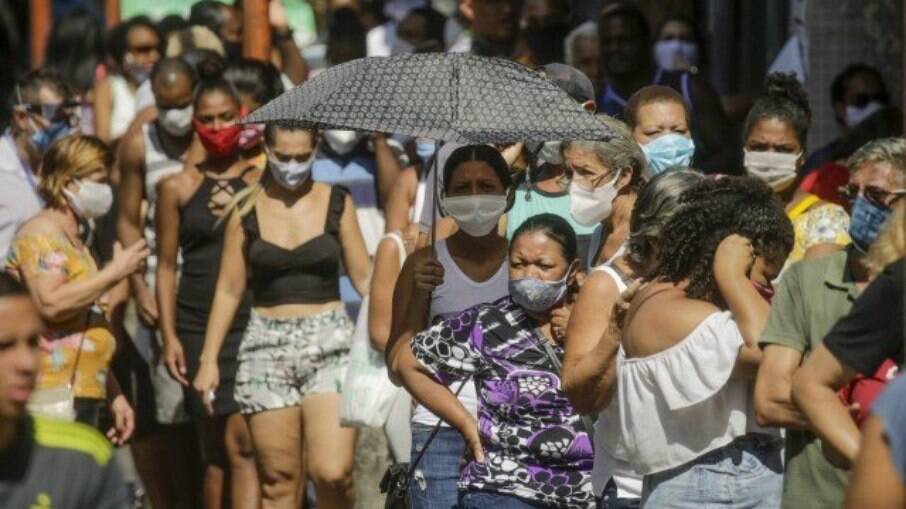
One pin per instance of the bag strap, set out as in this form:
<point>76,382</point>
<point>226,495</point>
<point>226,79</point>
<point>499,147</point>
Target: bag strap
<point>803,206</point>
<point>433,434</point>
<point>400,245</point>
<point>558,366</point>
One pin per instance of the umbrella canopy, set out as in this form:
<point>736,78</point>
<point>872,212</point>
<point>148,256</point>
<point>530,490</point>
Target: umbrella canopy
<point>440,96</point>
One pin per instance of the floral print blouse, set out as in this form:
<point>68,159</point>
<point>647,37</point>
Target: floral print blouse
<point>536,447</point>
<point>55,254</point>
<point>822,223</point>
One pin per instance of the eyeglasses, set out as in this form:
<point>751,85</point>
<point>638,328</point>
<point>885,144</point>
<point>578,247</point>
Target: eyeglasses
<point>51,112</point>
<point>871,193</point>
<point>591,182</point>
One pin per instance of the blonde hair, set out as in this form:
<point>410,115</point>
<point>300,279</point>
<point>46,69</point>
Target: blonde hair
<point>71,157</point>
<point>890,245</point>
<point>244,201</point>
<point>192,38</point>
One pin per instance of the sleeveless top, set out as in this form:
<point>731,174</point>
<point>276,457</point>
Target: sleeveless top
<point>123,110</point>
<point>158,164</point>
<point>201,241</point>
<point>457,293</point>
<point>306,274</point>
<point>612,103</point>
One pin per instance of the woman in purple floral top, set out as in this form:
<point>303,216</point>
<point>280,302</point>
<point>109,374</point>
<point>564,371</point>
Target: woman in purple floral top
<point>529,448</point>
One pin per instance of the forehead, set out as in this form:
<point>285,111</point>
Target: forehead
<point>619,25</point>
<point>661,111</point>
<point>773,130</point>
<point>172,83</point>
<point>19,317</point>
<point>878,173</point>
<point>676,27</point>
<point>141,34</point>
<point>536,244</point>
<point>47,94</point>
<point>288,140</point>
<point>582,157</point>
<point>216,99</point>
<point>471,170</point>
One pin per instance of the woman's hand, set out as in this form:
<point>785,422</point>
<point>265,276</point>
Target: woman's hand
<point>473,440</point>
<point>128,260</point>
<point>123,421</point>
<point>428,274</point>
<point>175,360</point>
<point>206,382</point>
<point>559,321</point>
<point>734,257</point>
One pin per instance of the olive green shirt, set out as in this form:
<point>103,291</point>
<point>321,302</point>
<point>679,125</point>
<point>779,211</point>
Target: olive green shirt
<point>811,297</point>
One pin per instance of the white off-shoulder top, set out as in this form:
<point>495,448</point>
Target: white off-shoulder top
<point>681,403</point>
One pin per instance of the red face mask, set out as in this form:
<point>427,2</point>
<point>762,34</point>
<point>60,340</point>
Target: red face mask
<point>766,291</point>
<point>221,142</point>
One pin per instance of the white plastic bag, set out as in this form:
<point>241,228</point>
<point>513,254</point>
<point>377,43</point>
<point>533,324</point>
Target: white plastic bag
<point>368,393</point>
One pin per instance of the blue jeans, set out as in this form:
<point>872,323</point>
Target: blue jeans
<point>610,500</point>
<point>433,484</point>
<point>488,499</point>
<point>746,474</point>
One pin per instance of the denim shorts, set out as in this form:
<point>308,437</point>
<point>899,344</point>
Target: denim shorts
<point>434,484</point>
<point>746,474</point>
<point>282,361</point>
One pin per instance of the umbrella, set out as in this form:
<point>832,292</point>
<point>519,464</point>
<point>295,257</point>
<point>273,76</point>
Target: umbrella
<point>440,96</point>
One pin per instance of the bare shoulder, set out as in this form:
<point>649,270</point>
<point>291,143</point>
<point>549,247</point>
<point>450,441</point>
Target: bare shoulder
<point>180,184</point>
<point>41,224</point>
<point>662,316</point>
<point>599,286</point>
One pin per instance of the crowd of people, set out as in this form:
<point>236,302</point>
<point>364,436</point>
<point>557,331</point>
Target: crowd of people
<point>674,316</point>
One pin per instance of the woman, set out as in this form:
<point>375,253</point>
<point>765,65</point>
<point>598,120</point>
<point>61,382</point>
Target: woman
<point>469,268</point>
<point>529,447</point>
<point>288,235</point>
<point>677,45</point>
<point>659,120</point>
<point>593,334</point>
<point>775,131</point>
<point>257,83</point>
<point>190,204</point>
<point>689,352</point>
<point>135,47</point>
<point>606,179</point>
<point>50,256</point>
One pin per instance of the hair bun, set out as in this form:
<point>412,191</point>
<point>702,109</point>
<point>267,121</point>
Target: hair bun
<point>210,68</point>
<point>785,86</point>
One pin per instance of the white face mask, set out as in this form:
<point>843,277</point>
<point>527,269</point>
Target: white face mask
<point>342,142</point>
<point>551,152</point>
<point>590,207</point>
<point>856,115</point>
<point>176,121</point>
<point>776,169</point>
<point>476,214</point>
<point>676,55</point>
<point>92,200</point>
<point>291,174</point>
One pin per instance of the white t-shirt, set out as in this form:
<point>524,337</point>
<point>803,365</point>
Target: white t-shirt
<point>19,199</point>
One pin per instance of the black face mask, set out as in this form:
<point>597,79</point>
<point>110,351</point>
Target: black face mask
<point>546,42</point>
<point>233,51</point>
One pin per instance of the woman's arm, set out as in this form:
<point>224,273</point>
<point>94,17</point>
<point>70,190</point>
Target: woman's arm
<point>228,295</point>
<point>411,303</point>
<point>773,389</point>
<point>167,227</point>
<point>589,368</point>
<point>402,196</point>
<point>355,254</point>
<point>388,166</point>
<point>103,109</point>
<point>383,279</point>
<point>293,63</point>
<point>875,482</point>
<point>815,388</point>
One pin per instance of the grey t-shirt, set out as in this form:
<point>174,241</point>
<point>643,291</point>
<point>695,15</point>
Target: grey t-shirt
<point>63,465</point>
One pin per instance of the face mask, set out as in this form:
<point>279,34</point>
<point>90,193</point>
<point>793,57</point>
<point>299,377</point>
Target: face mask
<point>138,72</point>
<point>176,121</point>
<point>776,169</point>
<point>425,149</point>
<point>551,153</point>
<point>866,222</point>
<point>219,143</point>
<point>250,136</point>
<point>668,151</point>
<point>589,208</point>
<point>537,295</point>
<point>766,291</point>
<point>476,214</point>
<point>291,174</point>
<point>44,138</point>
<point>341,141</point>
<point>856,115</point>
<point>676,55</point>
<point>92,200</point>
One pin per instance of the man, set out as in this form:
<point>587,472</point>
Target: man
<point>856,94</point>
<point>44,463</point>
<point>627,64</point>
<point>43,112</point>
<point>493,28</point>
<point>811,297</point>
<point>580,50</point>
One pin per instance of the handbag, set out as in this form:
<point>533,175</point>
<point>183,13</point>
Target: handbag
<point>57,402</point>
<point>368,393</point>
<point>395,482</point>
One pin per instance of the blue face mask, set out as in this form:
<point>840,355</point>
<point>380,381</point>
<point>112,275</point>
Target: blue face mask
<point>866,223</point>
<point>668,151</point>
<point>425,149</point>
<point>44,138</point>
<point>537,295</point>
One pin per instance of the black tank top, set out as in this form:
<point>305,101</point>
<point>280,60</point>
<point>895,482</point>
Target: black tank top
<point>201,243</point>
<point>308,274</point>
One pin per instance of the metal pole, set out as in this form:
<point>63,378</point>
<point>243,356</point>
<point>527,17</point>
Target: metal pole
<point>112,13</point>
<point>256,30</point>
<point>41,16</point>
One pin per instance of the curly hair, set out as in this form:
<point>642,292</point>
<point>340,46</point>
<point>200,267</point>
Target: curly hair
<point>784,99</point>
<point>711,211</point>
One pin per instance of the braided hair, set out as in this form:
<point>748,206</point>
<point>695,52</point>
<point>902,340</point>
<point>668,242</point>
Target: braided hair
<point>711,211</point>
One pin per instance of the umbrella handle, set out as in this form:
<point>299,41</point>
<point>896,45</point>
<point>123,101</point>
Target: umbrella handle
<point>436,200</point>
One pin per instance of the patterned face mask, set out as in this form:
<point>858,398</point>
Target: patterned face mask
<point>537,295</point>
<point>867,221</point>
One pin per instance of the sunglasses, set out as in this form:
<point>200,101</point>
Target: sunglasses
<point>51,112</point>
<point>872,193</point>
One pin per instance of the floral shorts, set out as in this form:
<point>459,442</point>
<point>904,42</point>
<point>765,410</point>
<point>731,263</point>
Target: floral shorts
<point>283,360</point>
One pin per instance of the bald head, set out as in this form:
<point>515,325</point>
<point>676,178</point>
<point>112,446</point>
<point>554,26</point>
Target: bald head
<point>172,82</point>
